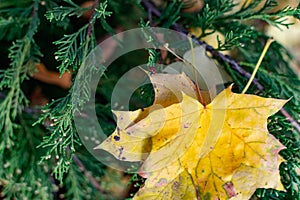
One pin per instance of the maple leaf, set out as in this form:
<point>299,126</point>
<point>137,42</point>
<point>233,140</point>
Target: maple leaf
<point>192,151</point>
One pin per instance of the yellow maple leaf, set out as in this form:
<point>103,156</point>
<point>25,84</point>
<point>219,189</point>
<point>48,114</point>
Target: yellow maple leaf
<point>192,151</point>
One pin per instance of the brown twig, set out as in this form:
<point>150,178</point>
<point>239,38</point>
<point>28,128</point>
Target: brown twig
<point>290,118</point>
<point>88,175</point>
<point>90,26</point>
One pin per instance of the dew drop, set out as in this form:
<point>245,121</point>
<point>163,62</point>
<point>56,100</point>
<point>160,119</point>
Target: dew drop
<point>6,165</point>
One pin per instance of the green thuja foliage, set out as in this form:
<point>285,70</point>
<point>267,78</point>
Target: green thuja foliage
<point>41,154</point>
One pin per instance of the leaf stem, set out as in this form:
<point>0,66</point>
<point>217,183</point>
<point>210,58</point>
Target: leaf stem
<point>195,72</point>
<point>91,22</point>
<point>166,46</point>
<point>199,95</point>
<point>269,42</point>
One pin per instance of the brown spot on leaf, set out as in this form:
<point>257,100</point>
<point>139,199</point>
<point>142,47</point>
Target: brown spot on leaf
<point>161,182</point>
<point>229,188</point>
<point>176,185</point>
<point>120,152</point>
<point>116,138</point>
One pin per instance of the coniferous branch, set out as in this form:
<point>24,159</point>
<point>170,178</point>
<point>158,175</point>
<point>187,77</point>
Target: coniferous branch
<point>73,49</point>
<point>232,39</point>
<point>59,13</point>
<point>70,52</point>
<point>12,79</point>
<point>291,119</point>
<point>14,21</point>
<point>81,184</point>
<point>88,175</point>
<point>26,178</point>
<point>34,112</point>
<point>153,53</point>
<point>23,53</point>
<point>11,27</point>
<point>74,182</point>
<point>212,15</point>
<point>276,19</point>
<point>170,15</point>
<point>19,11</point>
<point>62,139</point>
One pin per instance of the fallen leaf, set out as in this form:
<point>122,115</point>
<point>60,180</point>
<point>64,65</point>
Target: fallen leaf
<point>209,73</point>
<point>181,187</point>
<point>192,151</point>
<point>51,77</point>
